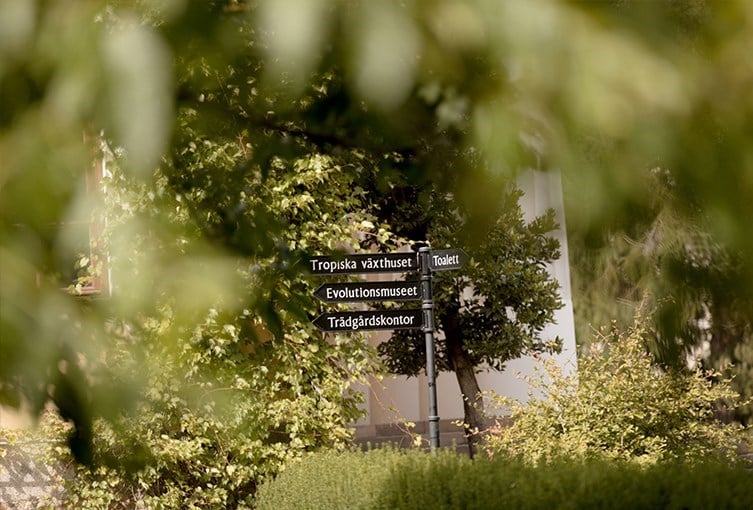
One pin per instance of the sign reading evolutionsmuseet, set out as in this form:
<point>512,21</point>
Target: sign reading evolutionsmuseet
<point>368,291</point>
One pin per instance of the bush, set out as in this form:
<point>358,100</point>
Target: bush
<point>331,480</point>
<point>619,405</point>
<point>388,479</point>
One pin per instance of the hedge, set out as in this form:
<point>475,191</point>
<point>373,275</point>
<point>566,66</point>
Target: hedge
<point>394,480</point>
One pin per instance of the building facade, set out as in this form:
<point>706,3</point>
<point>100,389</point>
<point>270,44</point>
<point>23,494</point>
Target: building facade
<point>397,407</point>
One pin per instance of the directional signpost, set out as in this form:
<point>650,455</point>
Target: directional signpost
<point>426,261</point>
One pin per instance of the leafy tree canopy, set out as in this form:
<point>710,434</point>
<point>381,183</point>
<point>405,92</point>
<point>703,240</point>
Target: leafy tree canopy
<point>603,91</point>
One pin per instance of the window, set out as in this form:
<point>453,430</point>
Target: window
<point>79,260</point>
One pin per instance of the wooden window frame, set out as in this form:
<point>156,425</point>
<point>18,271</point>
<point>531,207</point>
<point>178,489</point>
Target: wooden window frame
<point>99,284</point>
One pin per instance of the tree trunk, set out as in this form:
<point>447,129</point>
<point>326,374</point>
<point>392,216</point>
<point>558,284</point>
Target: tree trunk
<point>460,362</point>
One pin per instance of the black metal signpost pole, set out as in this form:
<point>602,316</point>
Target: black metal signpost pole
<point>427,305</point>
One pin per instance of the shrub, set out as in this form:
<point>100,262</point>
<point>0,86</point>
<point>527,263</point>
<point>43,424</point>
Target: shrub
<point>388,479</point>
<point>331,480</point>
<point>619,405</point>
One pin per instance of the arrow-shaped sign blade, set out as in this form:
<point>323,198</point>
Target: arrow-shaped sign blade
<point>359,292</point>
<point>445,260</point>
<point>370,320</point>
<point>364,263</point>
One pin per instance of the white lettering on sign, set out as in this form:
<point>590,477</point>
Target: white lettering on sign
<point>371,264</point>
<point>333,266</point>
<point>375,321</point>
<point>361,263</point>
<point>333,294</point>
<point>445,260</point>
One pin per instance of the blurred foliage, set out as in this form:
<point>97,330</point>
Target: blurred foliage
<point>670,261</point>
<point>619,406</point>
<point>601,90</point>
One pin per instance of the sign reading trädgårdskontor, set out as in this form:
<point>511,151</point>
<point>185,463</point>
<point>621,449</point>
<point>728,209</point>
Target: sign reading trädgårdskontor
<point>369,320</point>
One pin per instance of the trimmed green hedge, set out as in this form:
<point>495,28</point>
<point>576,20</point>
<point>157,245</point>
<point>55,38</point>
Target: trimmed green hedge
<point>390,479</point>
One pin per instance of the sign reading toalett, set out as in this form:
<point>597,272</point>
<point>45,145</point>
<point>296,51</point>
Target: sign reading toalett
<point>443,260</point>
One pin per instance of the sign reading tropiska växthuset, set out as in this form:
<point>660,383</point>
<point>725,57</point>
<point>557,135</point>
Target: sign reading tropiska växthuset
<point>368,291</point>
<point>370,320</point>
<point>364,263</point>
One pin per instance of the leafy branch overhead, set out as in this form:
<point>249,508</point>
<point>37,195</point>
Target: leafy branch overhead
<point>250,135</point>
<point>501,300</point>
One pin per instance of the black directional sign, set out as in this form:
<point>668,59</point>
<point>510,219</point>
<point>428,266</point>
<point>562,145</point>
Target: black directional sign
<point>370,320</point>
<point>364,263</point>
<point>443,260</point>
<point>369,291</point>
